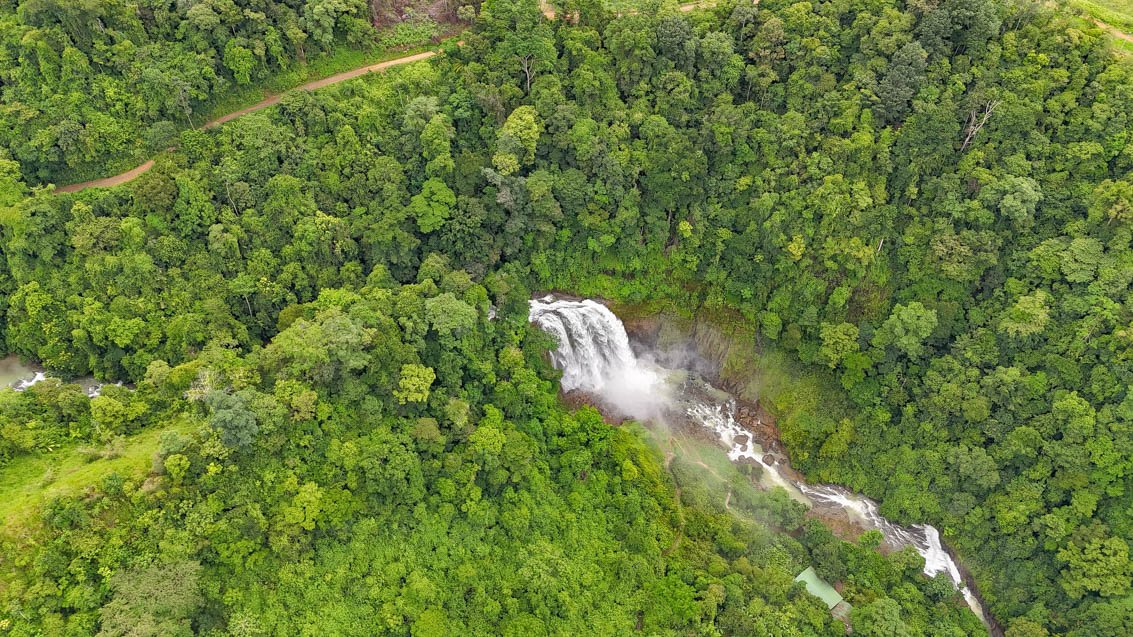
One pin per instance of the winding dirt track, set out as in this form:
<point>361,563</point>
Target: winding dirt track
<point>1114,31</point>
<point>130,175</point>
<point>107,182</point>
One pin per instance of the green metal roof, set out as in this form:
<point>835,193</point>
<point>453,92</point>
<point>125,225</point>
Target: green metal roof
<point>819,588</point>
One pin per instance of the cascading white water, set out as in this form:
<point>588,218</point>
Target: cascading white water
<point>924,538</point>
<point>19,376</point>
<point>594,355</point>
<point>24,383</point>
<point>740,444</point>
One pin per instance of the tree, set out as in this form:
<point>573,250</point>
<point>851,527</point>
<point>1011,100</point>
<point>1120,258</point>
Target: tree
<point>1096,563</point>
<point>433,206</point>
<point>436,146</point>
<point>450,316</point>
<point>956,26</point>
<point>1111,200</point>
<point>900,83</point>
<point>881,618</point>
<point>240,61</point>
<point>157,600</point>
<point>838,341</point>
<point>1029,315</point>
<point>1021,627</point>
<point>526,45</point>
<point>232,418</point>
<point>414,383</point>
<point>515,146</point>
<point>486,443</point>
<point>12,189</point>
<point>322,16</point>
<point>906,328</point>
<point>431,623</point>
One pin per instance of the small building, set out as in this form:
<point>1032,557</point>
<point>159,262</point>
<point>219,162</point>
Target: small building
<point>818,587</point>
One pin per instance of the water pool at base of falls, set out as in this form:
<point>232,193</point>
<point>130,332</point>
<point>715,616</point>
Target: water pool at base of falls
<point>595,357</point>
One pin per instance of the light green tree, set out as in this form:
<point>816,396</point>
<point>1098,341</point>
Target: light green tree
<point>906,328</point>
<point>515,145</point>
<point>414,384</point>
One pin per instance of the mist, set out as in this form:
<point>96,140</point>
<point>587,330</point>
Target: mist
<point>596,359</point>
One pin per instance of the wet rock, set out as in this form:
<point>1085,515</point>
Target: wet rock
<point>577,398</point>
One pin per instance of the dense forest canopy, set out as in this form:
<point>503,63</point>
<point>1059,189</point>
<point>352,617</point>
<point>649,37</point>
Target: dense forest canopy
<point>931,201</point>
<point>82,81</point>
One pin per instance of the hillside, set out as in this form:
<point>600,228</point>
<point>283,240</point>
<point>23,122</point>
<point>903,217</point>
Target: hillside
<point>94,84</point>
<point>920,211</point>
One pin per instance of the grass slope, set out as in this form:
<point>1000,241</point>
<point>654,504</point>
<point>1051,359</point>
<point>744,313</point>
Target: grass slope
<point>27,482</point>
<point>1116,13</point>
<point>1116,18</point>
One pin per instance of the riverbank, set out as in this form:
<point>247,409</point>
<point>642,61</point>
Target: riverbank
<point>728,353</point>
<point>20,375</point>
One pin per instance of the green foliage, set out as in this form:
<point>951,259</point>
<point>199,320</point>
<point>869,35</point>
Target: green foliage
<point>101,81</point>
<point>410,32</point>
<point>433,205</point>
<point>414,383</point>
<point>906,328</point>
<point>1096,564</point>
<point>930,199</point>
<point>879,619</point>
<point>230,416</point>
<point>152,601</point>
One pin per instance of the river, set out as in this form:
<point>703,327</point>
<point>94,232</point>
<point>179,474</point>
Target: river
<point>596,358</point>
<point>19,375</point>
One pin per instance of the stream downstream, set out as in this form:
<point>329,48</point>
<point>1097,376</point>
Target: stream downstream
<point>595,357</point>
<point>18,375</point>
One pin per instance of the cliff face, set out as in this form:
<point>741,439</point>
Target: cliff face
<point>728,356</point>
<point>385,13</point>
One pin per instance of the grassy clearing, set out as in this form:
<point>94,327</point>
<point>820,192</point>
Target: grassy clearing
<point>1116,13</point>
<point>704,474</point>
<point>28,482</point>
<point>1116,17</point>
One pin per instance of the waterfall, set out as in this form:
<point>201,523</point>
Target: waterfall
<point>593,345</point>
<point>923,538</point>
<point>594,356</point>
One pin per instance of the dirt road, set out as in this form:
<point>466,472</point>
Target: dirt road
<point>1114,31</point>
<point>326,81</point>
<point>130,175</point>
<point>107,182</point>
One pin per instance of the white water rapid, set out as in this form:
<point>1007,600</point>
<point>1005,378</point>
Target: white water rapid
<point>19,376</point>
<point>594,355</point>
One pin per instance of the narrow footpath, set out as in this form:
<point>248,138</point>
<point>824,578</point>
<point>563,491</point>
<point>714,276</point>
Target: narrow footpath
<point>1112,30</point>
<point>130,175</point>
